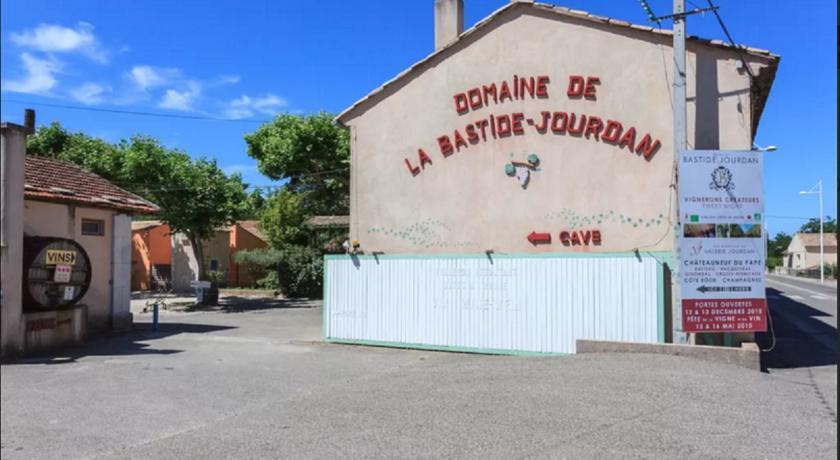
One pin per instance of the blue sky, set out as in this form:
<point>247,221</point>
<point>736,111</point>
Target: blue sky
<point>247,60</point>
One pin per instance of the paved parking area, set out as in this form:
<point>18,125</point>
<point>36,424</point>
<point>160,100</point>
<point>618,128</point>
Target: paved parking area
<point>253,380</point>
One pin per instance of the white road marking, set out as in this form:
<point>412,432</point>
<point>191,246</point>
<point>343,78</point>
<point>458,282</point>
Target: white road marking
<point>795,297</point>
<point>798,288</point>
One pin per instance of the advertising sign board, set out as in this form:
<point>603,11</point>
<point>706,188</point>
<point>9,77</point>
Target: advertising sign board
<point>722,241</point>
<point>62,273</point>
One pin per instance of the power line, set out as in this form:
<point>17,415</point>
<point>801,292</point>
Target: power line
<point>138,113</point>
<point>301,175</point>
<point>736,47</point>
<point>787,217</point>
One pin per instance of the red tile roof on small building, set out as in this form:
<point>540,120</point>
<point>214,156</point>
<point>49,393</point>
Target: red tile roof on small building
<point>328,221</point>
<point>253,226</point>
<point>145,224</point>
<point>57,181</point>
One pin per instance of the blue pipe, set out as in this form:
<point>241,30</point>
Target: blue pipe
<point>155,317</point>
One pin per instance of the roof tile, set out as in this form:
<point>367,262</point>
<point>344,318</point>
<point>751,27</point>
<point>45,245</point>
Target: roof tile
<point>58,181</point>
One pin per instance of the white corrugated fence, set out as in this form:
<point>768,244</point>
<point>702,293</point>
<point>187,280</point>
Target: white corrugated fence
<point>493,303</point>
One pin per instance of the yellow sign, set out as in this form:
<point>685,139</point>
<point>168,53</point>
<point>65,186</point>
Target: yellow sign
<point>55,256</point>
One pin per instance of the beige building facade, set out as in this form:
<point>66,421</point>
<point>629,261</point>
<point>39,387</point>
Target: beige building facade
<point>539,141</point>
<point>440,154</point>
<point>803,252</point>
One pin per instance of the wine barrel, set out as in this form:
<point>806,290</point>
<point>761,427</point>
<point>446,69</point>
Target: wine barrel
<point>56,273</point>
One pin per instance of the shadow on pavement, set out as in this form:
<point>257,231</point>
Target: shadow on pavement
<point>802,340</point>
<point>118,344</point>
<point>236,304</point>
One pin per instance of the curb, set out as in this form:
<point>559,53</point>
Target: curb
<point>748,356</point>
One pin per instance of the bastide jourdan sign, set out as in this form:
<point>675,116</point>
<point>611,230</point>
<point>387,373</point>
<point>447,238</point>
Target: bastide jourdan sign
<point>722,241</point>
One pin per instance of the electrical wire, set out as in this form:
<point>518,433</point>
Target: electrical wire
<point>786,217</point>
<point>137,113</point>
<point>736,47</point>
<point>266,187</point>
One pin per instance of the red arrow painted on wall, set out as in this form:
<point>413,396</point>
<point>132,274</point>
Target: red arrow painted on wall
<point>539,238</point>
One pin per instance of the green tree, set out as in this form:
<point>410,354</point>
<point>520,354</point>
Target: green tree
<point>283,220</point>
<point>91,153</point>
<point>778,244</point>
<point>256,204</point>
<point>312,153</point>
<point>195,196</point>
<point>813,225</point>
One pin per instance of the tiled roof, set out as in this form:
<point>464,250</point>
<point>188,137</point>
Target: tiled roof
<point>811,241</point>
<point>561,12</point>
<point>145,224</point>
<point>328,221</point>
<point>61,182</point>
<point>253,226</point>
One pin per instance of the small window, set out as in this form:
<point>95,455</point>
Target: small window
<point>93,227</point>
<point>214,265</point>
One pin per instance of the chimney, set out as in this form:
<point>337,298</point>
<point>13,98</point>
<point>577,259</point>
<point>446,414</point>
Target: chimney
<point>29,121</point>
<point>449,21</point>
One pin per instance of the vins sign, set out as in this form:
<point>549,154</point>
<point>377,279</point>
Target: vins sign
<point>58,257</point>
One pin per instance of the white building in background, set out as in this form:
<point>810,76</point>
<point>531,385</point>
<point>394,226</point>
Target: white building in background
<point>803,252</point>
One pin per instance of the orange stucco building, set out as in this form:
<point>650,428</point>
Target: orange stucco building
<point>153,246</point>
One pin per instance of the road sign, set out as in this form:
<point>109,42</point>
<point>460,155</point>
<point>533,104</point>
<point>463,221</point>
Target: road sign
<point>722,241</point>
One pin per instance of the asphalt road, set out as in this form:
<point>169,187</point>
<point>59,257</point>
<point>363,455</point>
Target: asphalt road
<point>804,349</point>
<point>253,380</point>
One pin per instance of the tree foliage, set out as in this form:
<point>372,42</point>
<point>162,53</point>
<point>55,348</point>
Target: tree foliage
<point>283,220</point>
<point>195,196</point>
<point>312,153</point>
<point>813,225</point>
<point>778,244</point>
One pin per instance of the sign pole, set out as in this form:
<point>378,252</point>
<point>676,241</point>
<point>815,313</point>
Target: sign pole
<point>680,144</point>
<point>822,248</point>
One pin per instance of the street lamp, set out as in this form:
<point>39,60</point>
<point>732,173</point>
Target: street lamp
<point>818,189</point>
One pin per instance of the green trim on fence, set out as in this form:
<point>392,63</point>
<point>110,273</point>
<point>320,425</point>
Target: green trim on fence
<point>546,255</point>
<point>660,303</point>
<point>421,346</point>
<point>325,309</point>
<point>667,258</point>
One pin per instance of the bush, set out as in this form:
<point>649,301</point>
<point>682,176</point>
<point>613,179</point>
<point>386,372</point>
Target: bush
<point>301,272</point>
<point>262,265</point>
<point>217,276</point>
<point>773,262</point>
<point>296,271</point>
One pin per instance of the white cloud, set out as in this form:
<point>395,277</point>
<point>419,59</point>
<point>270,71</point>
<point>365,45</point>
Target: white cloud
<point>245,106</point>
<point>181,100</point>
<point>39,78</point>
<point>53,38</point>
<point>145,77</point>
<point>228,79</point>
<point>89,93</point>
